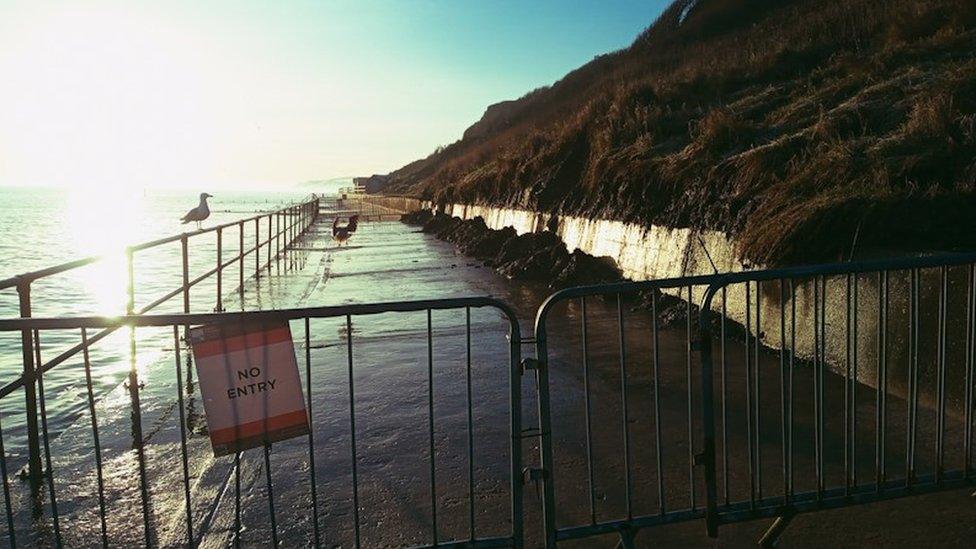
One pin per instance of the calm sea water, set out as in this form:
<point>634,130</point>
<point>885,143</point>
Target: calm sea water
<point>44,227</point>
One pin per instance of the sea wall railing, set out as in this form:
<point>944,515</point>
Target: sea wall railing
<point>279,230</point>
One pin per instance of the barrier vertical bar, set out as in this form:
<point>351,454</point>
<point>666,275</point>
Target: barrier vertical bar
<point>626,409</point>
<point>430,426</point>
<point>848,388</point>
<point>913,314</point>
<point>11,532</point>
<point>589,412</point>
<point>470,406</point>
<point>270,485</point>
<point>879,456</point>
<point>783,389</point>
<point>183,453</point>
<point>95,439</point>
<point>757,341</point>
<point>749,398</point>
<point>725,372</point>
<point>655,365</point>
<point>970,362</point>
<point>708,412</point>
<point>237,499</point>
<point>137,436</point>
<point>311,430</point>
<point>941,372</point>
<point>47,441</point>
<point>691,417</point>
<point>854,346</point>
<point>352,430</point>
<point>817,413</point>
<point>789,409</point>
<point>820,381</point>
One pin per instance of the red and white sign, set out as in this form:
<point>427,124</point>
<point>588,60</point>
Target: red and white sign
<point>249,381</point>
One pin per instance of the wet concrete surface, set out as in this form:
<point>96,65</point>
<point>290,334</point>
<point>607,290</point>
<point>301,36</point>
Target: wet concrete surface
<point>390,261</point>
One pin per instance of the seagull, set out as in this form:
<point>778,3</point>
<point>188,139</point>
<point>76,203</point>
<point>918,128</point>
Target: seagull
<point>199,213</point>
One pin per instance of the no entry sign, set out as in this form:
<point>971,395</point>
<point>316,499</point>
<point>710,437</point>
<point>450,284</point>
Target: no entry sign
<point>249,381</point>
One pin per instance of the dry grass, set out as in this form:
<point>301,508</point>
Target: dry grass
<point>791,124</point>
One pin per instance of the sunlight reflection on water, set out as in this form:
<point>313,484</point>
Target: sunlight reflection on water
<point>104,228</point>
<point>42,228</point>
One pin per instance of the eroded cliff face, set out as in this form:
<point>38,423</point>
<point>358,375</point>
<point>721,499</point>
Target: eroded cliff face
<point>794,127</point>
<point>788,312</point>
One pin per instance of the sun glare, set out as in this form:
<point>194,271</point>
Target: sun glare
<point>103,225</point>
<point>102,99</point>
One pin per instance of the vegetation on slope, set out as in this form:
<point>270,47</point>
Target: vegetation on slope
<point>792,125</point>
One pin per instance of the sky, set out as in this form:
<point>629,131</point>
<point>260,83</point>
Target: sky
<point>101,95</point>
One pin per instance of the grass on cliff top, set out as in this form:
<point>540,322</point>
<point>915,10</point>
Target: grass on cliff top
<point>792,125</point>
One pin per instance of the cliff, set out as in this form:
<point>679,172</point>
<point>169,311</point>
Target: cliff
<point>800,128</point>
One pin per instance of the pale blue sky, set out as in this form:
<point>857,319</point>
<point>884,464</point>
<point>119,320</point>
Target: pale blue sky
<point>249,93</point>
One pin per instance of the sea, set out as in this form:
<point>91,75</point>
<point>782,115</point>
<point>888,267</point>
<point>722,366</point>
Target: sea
<point>45,227</point>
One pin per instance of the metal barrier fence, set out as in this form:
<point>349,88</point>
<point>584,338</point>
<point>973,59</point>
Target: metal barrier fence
<point>894,419</point>
<point>590,339</point>
<point>284,227</point>
<point>808,388</point>
<point>162,496</point>
<point>371,208</point>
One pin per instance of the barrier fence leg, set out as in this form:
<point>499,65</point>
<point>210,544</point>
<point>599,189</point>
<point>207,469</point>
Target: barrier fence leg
<point>626,538</point>
<point>771,537</point>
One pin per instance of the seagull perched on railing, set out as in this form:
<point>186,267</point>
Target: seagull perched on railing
<point>199,213</point>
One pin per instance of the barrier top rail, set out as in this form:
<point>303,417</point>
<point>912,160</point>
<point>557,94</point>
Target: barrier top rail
<point>28,277</point>
<point>722,279</point>
<point>180,319</point>
<point>109,323</point>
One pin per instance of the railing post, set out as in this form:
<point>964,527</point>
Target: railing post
<point>707,458</point>
<point>186,273</point>
<point>130,304</point>
<point>257,248</point>
<point>240,263</point>
<point>220,270</point>
<point>35,470</point>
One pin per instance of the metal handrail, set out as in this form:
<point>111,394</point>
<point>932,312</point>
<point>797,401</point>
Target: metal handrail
<point>19,279</point>
<point>291,222</point>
